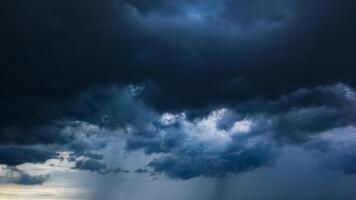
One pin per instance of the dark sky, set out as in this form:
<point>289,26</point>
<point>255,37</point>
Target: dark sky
<point>202,88</point>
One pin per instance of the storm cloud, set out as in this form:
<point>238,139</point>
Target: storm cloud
<point>208,88</point>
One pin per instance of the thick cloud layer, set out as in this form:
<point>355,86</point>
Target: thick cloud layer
<point>16,155</point>
<point>208,87</point>
<point>225,141</point>
<point>235,140</point>
<point>80,44</point>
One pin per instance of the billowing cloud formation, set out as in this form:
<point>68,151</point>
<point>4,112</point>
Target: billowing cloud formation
<point>208,87</point>
<point>227,140</point>
<point>195,148</point>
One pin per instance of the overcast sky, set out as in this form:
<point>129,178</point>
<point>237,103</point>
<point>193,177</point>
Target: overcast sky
<point>179,100</point>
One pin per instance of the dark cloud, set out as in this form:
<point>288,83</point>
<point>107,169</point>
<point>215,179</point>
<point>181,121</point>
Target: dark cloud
<point>244,137</point>
<point>335,149</point>
<point>224,141</point>
<point>345,162</point>
<point>298,115</point>
<point>97,167</point>
<point>16,155</point>
<point>43,68</point>
<point>265,60</point>
<point>190,166</point>
<point>274,67</point>
<point>141,171</point>
<point>119,170</point>
<point>82,140</point>
<point>86,126</point>
<point>195,148</point>
<point>92,166</point>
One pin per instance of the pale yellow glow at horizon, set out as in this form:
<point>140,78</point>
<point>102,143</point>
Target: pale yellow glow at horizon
<point>48,192</point>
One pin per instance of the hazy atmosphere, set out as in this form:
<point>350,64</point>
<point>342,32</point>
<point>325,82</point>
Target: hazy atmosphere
<point>177,99</point>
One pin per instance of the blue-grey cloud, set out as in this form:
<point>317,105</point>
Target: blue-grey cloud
<point>26,179</point>
<point>229,80</point>
<point>95,166</point>
<point>335,148</point>
<point>16,155</point>
<point>92,166</point>
<point>245,137</point>
<point>223,141</point>
<point>17,176</point>
<point>232,162</point>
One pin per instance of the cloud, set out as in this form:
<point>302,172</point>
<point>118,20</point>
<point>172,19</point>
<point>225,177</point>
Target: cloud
<point>89,123</point>
<point>305,112</point>
<point>16,155</point>
<point>111,54</point>
<point>335,149</point>
<point>232,162</point>
<point>17,176</point>
<point>80,139</point>
<point>97,167</point>
<point>225,141</point>
<point>26,179</point>
<point>189,81</point>
<point>248,136</point>
<point>92,166</point>
<point>200,148</point>
<point>119,170</point>
<point>141,171</point>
